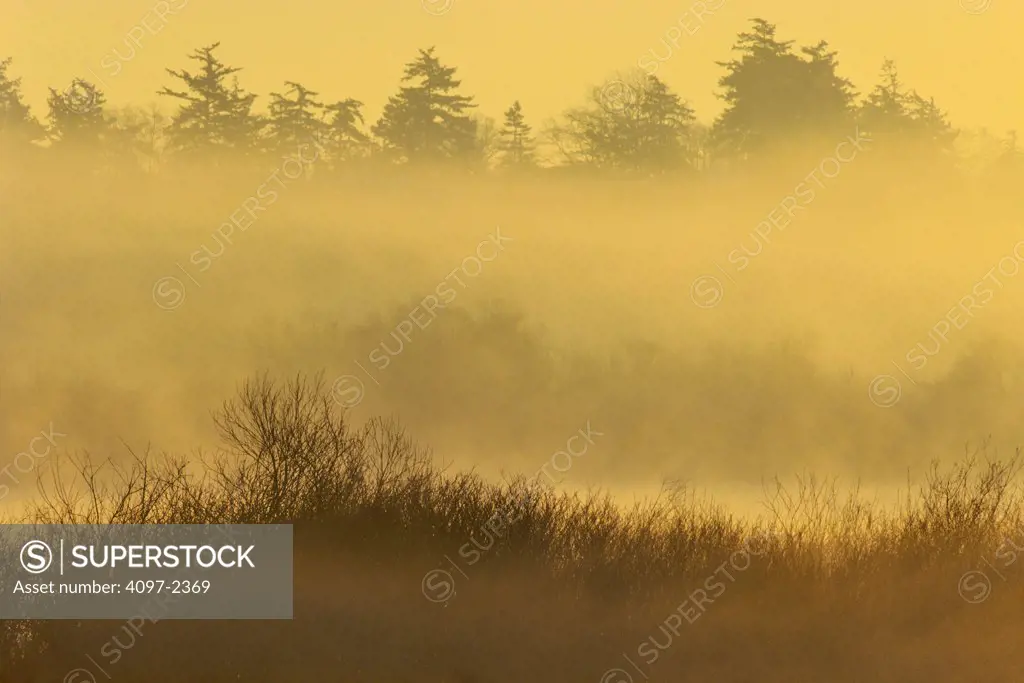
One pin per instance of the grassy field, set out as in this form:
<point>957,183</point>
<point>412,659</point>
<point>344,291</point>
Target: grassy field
<point>647,557</point>
<point>545,584</point>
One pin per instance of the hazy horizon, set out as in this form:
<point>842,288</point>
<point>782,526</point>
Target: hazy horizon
<point>502,49</point>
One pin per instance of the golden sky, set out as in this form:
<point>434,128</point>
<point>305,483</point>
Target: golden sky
<point>542,52</point>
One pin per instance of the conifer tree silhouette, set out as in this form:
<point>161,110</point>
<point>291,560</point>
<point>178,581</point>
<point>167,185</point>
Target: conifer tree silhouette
<point>773,94</point>
<point>892,112</point>
<point>18,127</point>
<point>296,118</point>
<point>214,115</point>
<point>75,115</point>
<point>428,120</point>
<point>345,141</point>
<point>515,139</point>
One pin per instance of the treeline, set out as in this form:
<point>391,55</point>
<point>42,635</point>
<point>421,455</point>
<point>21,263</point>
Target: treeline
<point>773,92</point>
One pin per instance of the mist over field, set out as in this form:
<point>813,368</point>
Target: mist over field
<point>686,346</point>
<point>588,309</point>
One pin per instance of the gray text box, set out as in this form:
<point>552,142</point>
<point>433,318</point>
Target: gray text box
<point>154,571</point>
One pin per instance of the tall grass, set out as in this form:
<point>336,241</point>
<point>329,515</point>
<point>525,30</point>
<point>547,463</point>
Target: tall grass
<point>564,583</point>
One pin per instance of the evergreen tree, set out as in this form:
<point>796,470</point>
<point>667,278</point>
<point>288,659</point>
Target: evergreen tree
<point>85,135</point>
<point>773,94</point>
<point>344,139</point>
<point>931,126</point>
<point>515,139</point>
<point>75,116</point>
<point>831,99</point>
<point>892,112</point>
<point>18,127</point>
<point>886,109</point>
<point>295,120</point>
<point>214,115</point>
<point>427,121</point>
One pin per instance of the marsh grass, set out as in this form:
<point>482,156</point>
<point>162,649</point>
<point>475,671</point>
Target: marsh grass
<point>568,583</point>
